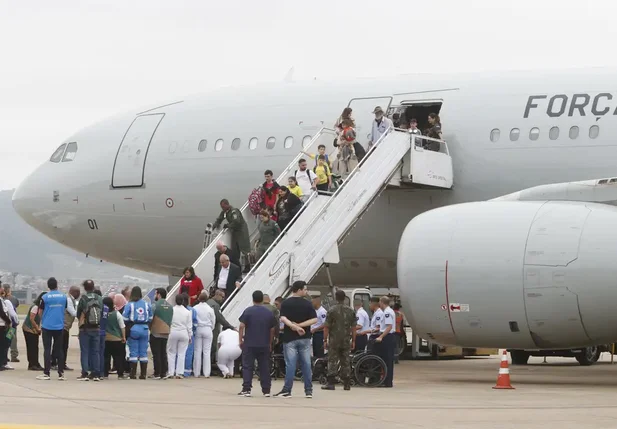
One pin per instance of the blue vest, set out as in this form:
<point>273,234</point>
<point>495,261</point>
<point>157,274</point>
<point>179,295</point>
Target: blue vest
<point>138,312</point>
<point>53,311</point>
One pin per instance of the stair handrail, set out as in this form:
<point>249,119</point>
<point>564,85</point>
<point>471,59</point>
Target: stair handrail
<point>340,188</point>
<point>281,177</point>
<point>256,266</point>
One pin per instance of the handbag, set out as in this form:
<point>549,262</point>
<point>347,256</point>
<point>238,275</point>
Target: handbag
<point>10,334</point>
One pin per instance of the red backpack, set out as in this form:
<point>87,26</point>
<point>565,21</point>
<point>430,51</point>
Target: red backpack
<point>255,201</point>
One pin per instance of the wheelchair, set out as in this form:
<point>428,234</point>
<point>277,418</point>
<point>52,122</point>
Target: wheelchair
<point>367,370</point>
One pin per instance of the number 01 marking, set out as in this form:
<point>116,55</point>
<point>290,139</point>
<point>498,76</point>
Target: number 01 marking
<point>92,224</point>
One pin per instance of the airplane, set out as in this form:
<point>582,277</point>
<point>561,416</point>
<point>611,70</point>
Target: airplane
<point>462,269</point>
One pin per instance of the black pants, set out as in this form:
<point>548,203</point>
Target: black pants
<point>57,349</point>
<point>361,341</point>
<point>318,351</point>
<point>385,350</point>
<point>65,348</point>
<point>4,346</point>
<point>262,354</point>
<point>117,350</point>
<point>32,349</point>
<point>159,355</point>
<point>323,187</point>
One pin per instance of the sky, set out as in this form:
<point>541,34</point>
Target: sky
<point>68,63</point>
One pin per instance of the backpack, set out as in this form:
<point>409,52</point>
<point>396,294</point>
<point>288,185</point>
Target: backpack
<point>359,149</point>
<point>308,172</point>
<point>328,170</point>
<point>93,312</point>
<point>255,201</point>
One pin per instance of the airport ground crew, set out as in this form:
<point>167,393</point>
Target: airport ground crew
<point>339,339</point>
<point>387,339</point>
<point>138,315</point>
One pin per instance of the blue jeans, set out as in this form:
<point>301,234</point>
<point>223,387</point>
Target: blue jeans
<point>294,351</point>
<point>101,355</point>
<point>89,344</point>
<point>138,343</point>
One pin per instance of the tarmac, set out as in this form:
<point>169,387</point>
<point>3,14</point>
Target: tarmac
<point>427,394</point>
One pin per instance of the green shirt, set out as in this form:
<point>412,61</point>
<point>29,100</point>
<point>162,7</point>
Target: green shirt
<point>161,322</point>
<point>113,330</point>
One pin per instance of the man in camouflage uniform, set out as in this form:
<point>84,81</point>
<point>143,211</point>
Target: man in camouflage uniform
<point>339,339</point>
<point>240,240</point>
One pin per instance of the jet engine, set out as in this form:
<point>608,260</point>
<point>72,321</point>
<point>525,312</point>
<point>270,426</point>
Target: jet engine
<point>512,274</point>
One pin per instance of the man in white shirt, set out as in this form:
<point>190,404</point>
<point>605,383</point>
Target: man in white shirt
<point>380,125</point>
<point>318,327</point>
<point>306,178</point>
<point>206,319</point>
<point>363,326</point>
<point>386,338</point>
<point>377,319</point>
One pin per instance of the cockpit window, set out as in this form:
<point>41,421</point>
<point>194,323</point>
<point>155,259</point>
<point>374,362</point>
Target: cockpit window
<point>57,156</point>
<point>71,151</point>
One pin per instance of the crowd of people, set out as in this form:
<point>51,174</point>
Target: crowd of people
<point>187,340</point>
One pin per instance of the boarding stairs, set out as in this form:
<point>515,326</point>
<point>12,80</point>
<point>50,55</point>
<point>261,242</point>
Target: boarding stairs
<point>312,238</point>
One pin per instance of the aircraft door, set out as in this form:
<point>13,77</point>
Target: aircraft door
<point>364,117</point>
<point>128,169</point>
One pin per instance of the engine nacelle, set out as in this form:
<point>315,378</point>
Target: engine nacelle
<point>512,274</point>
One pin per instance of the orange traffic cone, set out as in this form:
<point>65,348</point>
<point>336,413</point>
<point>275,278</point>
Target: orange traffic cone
<point>503,379</point>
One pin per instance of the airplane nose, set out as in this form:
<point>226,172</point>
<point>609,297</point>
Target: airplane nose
<point>26,200</point>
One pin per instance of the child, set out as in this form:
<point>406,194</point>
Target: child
<point>323,173</point>
<point>321,149</point>
<point>294,188</point>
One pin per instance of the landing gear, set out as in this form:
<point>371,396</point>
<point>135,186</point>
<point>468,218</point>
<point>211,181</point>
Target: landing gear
<point>589,356</point>
<point>519,357</point>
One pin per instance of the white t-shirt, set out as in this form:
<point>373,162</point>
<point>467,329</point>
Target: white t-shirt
<point>305,180</point>
<point>229,338</point>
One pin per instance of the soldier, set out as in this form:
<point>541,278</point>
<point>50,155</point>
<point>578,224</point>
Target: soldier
<point>340,339</point>
<point>240,241</point>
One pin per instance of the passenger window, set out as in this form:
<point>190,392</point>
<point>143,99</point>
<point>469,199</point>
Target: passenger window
<point>515,133</point>
<point>574,132</point>
<point>553,133</point>
<point>289,142</point>
<point>57,155</point>
<point>253,143</point>
<point>534,133</point>
<point>71,150</point>
<point>202,145</point>
<point>495,133</point>
<point>218,145</point>
<point>594,131</point>
<point>235,144</point>
<point>305,141</point>
<point>271,143</point>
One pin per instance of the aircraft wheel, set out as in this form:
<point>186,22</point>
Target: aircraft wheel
<point>589,356</point>
<point>519,357</point>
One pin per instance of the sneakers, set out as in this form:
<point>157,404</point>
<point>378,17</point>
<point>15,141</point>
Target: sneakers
<point>283,394</point>
<point>83,378</point>
<point>154,377</point>
<point>308,395</point>
<point>43,377</point>
<point>267,395</point>
<point>96,379</point>
<point>15,360</point>
<point>66,368</point>
<point>8,367</point>
<point>61,377</point>
<point>245,393</point>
